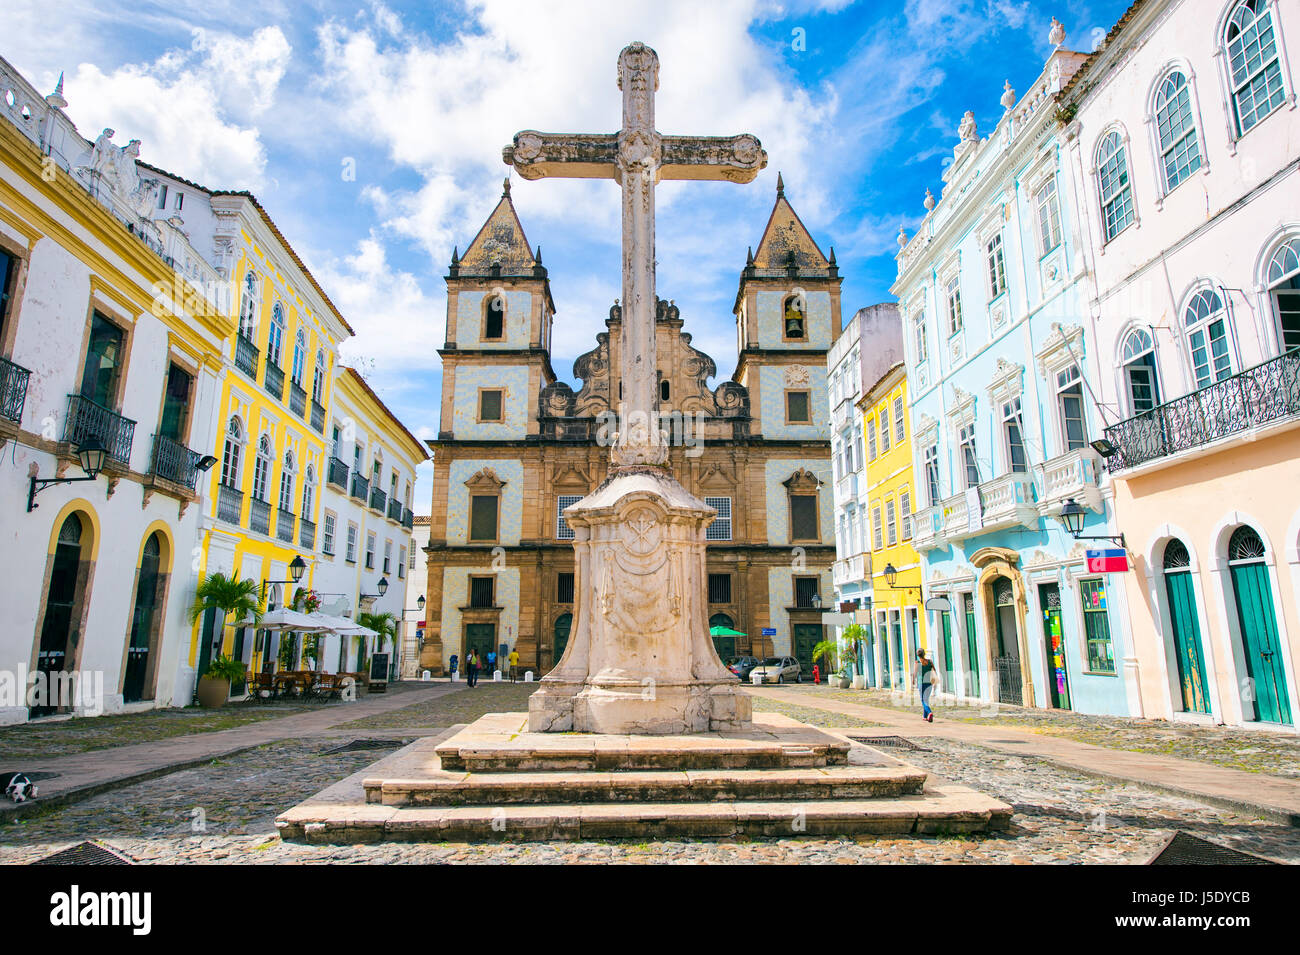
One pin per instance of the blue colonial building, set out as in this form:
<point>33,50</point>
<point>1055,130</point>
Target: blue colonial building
<point>1001,367</point>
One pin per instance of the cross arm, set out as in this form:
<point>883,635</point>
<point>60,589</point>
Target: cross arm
<point>734,158</point>
<point>537,155</point>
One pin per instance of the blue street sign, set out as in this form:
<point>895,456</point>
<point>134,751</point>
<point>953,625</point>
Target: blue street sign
<point>769,631</point>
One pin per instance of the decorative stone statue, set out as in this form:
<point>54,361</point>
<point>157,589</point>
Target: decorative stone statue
<point>1056,36</point>
<point>967,131</point>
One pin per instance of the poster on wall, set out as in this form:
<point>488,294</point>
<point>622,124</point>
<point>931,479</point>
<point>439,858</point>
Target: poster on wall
<point>1107,560</point>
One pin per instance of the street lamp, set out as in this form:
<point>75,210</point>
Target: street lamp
<point>297,567</point>
<point>891,577</point>
<point>90,453</point>
<point>1072,516</point>
<point>382,587</point>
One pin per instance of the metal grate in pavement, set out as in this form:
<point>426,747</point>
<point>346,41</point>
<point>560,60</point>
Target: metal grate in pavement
<point>86,853</point>
<point>358,745</point>
<point>895,742</point>
<point>1186,849</point>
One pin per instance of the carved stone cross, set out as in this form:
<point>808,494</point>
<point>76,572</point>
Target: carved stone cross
<point>637,157</point>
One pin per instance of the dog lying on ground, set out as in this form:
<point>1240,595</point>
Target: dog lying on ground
<point>18,787</point>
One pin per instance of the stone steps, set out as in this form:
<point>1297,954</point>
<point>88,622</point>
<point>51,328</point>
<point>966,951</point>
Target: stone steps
<point>940,809</point>
<point>544,788</point>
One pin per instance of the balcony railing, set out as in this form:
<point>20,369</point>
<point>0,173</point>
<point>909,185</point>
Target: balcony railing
<point>927,529</point>
<point>230,503</point>
<point>956,517</point>
<point>337,474</point>
<point>273,380</point>
<point>360,487</point>
<point>307,534</point>
<point>408,517</point>
<point>297,398</point>
<point>174,462</point>
<point>1268,392</point>
<point>246,356</point>
<point>1074,475</point>
<point>259,516</point>
<point>88,419</point>
<point>395,510</point>
<point>284,519</point>
<point>13,390</point>
<point>317,417</point>
<point>849,570</point>
<point>377,499</point>
<point>1007,501</point>
<point>846,488</point>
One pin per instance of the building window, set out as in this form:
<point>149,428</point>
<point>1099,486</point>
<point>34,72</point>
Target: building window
<point>411,559</point>
<point>806,589</point>
<point>1283,277</point>
<point>803,517</point>
<point>720,529</point>
<point>248,308</point>
<point>388,556</point>
<point>318,378</point>
<point>899,432</point>
<point>562,529</point>
<point>997,267</point>
<point>262,468</point>
<point>931,456</point>
<point>795,324</point>
<point>286,483</point>
<point>891,523</point>
<point>327,534</point>
<point>966,446</point>
<point>401,561</point>
<point>1069,397</point>
<point>1013,431</point>
<point>884,429</point>
<point>483,517</point>
<point>1206,321</point>
<point>494,326</point>
<point>482,591</point>
<point>299,369</point>
<point>230,453</point>
<point>918,330</point>
<point>664,390</point>
<point>1254,69</point>
<point>8,283</point>
<point>370,552</point>
<point>905,513</point>
<point>275,340</point>
<point>1113,185</point>
<point>350,553</point>
<point>489,405</point>
<point>871,439</point>
<point>564,587</point>
<point>1049,216</point>
<point>877,529</point>
<point>719,588</point>
<point>798,408</point>
<point>954,305</point>
<point>1096,626</point>
<point>1140,371</point>
<point>309,493</point>
<point>1180,153</point>
<point>105,355</point>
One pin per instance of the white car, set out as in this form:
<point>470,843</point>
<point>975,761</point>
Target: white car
<point>777,670</point>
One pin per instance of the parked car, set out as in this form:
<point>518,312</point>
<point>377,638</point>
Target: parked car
<point>778,670</point>
<point>743,666</point>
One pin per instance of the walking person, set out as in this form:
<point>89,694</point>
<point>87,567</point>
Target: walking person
<point>492,662</point>
<point>928,677</point>
<point>471,668</point>
<point>514,665</point>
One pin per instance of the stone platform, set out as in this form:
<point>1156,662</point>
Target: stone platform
<point>493,781</point>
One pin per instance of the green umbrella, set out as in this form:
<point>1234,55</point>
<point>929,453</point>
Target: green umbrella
<point>725,632</point>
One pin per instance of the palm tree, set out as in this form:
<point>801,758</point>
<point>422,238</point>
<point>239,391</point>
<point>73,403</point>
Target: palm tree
<point>232,598</point>
<point>384,624</point>
<point>826,651</point>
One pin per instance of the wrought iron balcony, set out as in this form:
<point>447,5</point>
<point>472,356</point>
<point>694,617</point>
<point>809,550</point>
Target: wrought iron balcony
<point>230,503</point>
<point>259,516</point>
<point>284,519</point>
<point>1264,394</point>
<point>395,510</point>
<point>273,380</point>
<point>377,499</point>
<point>174,462</point>
<point>1074,474</point>
<point>246,356</point>
<point>360,487</point>
<point>318,417</point>
<point>13,390</point>
<point>337,474</point>
<point>297,398</point>
<point>88,419</point>
<point>408,517</point>
<point>307,534</point>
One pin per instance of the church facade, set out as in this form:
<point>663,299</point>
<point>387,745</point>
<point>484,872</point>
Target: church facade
<point>517,445</point>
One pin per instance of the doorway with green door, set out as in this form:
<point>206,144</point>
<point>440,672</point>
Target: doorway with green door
<point>1185,628</point>
<point>483,638</point>
<point>805,637</point>
<point>1265,698</point>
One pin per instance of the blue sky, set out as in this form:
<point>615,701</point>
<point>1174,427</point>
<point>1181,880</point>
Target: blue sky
<point>857,104</point>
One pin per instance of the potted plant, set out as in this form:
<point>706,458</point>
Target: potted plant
<point>854,634</point>
<point>825,653</point>
<point>233,599</point>
<point>214,685</point>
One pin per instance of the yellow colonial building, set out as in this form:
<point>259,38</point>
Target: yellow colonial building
<point>897,611</point>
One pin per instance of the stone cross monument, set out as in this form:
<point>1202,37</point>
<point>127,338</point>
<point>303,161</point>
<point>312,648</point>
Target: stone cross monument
<point>640,658</point>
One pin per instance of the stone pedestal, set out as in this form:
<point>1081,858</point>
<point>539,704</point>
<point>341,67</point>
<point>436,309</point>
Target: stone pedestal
<point>640,659</point>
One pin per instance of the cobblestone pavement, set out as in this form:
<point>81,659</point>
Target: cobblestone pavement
<point>462,706</point>
<point>1274,754</point>
<point>809,715</point>
<point>1060,816</point>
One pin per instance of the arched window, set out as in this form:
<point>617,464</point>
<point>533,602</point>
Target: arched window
<point>308,493</point>
<point>275,340</point>
<point>494,320</point>
<point>1245,545</point>
<point>1254,69</point>
<point>230,453</point>
<point>1113,185</point>
<point>664,390</point>
<point>1180,151</point>
<point>1206,321</point>
<point>795,323</point>
<point>299,358</point>
<point>286,482</point>
<point>262,468</point>
<point>1283,278</point>
<point>1139,357</point>
<point>318,378</point>
<point>248,307</point>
